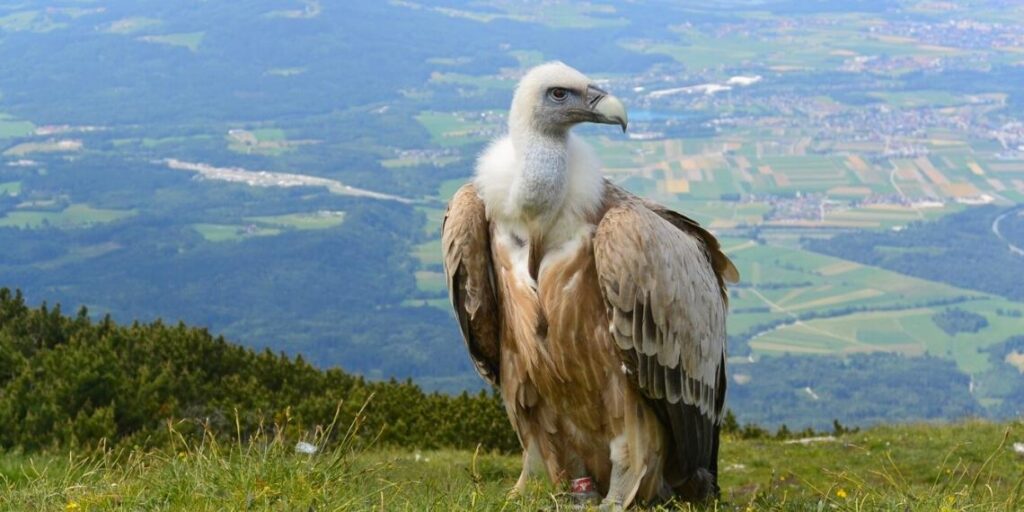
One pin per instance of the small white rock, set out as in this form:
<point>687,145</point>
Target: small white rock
<point>1018,448</point>
<point>304,447</point>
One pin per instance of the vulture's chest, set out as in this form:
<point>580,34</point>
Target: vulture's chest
<point>556,344</point>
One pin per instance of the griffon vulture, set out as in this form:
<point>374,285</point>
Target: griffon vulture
<point>600,316</point>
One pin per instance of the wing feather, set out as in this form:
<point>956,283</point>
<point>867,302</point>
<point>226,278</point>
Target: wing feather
<point>465,240</point>
<point>663,279</point>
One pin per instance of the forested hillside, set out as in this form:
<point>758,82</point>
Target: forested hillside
<point>958,249</point>
<point>71,382</point>
<point>862,389</point>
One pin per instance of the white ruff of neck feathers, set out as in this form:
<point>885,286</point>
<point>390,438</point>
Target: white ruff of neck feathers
<point>530,179</point>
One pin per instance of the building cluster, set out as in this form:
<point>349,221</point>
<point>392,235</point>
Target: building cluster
<point>800,207</point>
<point>963,34</point>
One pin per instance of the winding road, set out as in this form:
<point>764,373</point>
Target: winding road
<point>995,229</point>
<point>277,179</point>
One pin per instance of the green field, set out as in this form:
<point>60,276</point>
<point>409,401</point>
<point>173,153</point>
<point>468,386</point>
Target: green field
<point>190,40</point>
<point>434,218</point>
<point>449,129</point>
<point>431,281</point>
<point>10,188</point>
<point>232,232</point>
<point>909,331</point>
<point>428,253</point>
<point>556,15</point>
<point>854,186</point>
<point>131,25</point>
<point>11,127</point>
<point>29,21</point>
<point>959,467</point>
<point>74,216</point>
<point>481,82</point>
<point>856,308</point>
<point>919,99</point>
<point>264,141</point>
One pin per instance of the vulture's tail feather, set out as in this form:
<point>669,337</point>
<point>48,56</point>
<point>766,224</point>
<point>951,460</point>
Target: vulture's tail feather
<point>692,466</point>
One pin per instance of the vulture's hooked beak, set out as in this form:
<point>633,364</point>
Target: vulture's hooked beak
<point>605,108</point>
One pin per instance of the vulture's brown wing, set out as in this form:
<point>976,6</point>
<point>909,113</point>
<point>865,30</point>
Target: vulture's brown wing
<point>465,240</point>
<point>663,286</point>
<point>725,271</point>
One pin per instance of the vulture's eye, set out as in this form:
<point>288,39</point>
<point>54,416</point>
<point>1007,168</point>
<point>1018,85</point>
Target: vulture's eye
<point>558,94</point>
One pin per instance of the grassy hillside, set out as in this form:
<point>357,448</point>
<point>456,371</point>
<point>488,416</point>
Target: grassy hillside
<point>966,466</point>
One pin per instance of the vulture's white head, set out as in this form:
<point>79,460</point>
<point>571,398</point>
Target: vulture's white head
<point>539,171</point>
<point>553,97</point>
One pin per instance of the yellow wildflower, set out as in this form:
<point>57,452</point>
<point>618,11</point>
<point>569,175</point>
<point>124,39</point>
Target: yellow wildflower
<point>947,505</point>
<point>71,505</point>
<point>841,493</point>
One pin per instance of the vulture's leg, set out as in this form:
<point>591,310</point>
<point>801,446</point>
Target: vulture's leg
<point>628,470</point>
<point>532,465</point>
<point>637,458</point>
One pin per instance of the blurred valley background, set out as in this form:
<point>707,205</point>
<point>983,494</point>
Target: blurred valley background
<point>277,170</point>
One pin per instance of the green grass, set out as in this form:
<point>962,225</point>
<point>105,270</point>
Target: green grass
<point>303,221</point>
<point>76,215</point>
<point>959,467</point>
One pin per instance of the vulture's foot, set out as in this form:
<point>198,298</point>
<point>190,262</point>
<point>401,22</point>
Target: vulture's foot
<point>610,506</point>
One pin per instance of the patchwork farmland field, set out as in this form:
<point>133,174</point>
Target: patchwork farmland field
<point>853,191</point>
